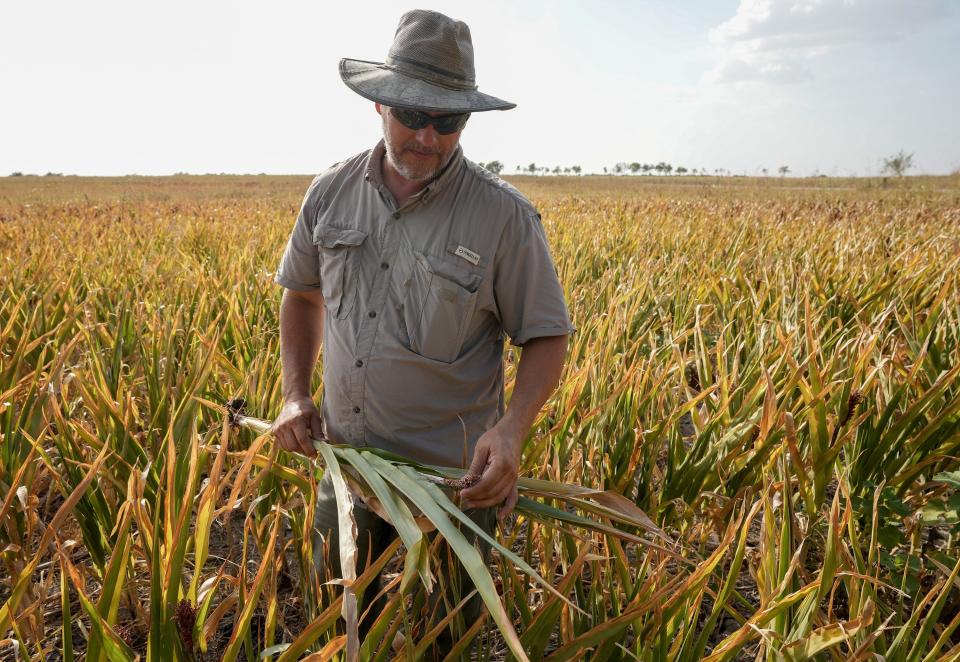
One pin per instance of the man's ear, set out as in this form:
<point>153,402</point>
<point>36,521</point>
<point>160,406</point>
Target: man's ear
<point>376,104</point>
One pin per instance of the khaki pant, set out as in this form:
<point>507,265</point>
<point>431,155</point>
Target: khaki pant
<point>374,535</point>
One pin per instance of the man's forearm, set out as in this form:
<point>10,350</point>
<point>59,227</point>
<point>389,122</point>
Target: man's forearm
<point>541,362</point>
<point>301,334</point>
<point>496,459</point>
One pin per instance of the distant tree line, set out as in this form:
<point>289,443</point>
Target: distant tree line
<point>497,167</point>
<point>619,168</point>
<point>21,174</point>
<point>897,165</point>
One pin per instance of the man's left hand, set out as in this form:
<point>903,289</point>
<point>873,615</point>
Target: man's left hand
<point>496,460</point>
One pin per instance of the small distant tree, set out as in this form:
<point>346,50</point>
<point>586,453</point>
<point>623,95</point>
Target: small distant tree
<point>576,169</point>
<point>647,167</point>
<point>16,174</point>
<point>681,170</point>
<point>494,166</point>
<point>604,169</point>
<point>532,168</point>
<point>619,168</point>
<point>783,170</point>
<point>763,171</point>
<point>635,167</point>
<point>898,164</point>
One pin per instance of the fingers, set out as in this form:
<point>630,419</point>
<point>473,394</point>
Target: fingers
<point>496,462</point>
<point>479,463</point>
<point>481,488</point>
<point>478,469</point>
<point>316,426</point>
<point>494,496</point>
<point>293,437</point>
<point>494,487</point>
<point>285,437</point>
<point>296,424</point>
<point>510,503</point>
<point>304,444</point>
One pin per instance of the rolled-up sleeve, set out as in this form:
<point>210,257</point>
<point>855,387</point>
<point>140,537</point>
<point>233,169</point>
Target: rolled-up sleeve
<point>300,266</point>
<point>528,292</point>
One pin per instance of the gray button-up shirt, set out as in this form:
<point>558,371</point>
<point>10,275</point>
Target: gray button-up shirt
<point>418,301</point>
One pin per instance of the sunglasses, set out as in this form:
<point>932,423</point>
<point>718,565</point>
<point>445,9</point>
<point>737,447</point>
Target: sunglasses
<point>416,120</point>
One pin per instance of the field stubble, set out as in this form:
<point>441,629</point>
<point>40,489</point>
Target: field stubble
<point>772,373</point>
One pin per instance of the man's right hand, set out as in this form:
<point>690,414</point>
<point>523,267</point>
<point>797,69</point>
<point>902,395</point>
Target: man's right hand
<point>298,422</point>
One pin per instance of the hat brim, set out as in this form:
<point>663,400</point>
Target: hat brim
<point>375,81</point>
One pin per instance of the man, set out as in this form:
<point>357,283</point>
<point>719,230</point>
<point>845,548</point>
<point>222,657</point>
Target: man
<point>411,264</point>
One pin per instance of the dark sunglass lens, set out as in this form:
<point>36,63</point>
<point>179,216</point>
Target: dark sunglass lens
<point>416,120</point>
<point>412,119</point>
<point>450,123</point>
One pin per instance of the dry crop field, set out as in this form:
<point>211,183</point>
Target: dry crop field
<point>768,369</point>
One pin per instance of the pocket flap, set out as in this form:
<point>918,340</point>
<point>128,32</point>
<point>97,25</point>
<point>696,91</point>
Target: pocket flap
<point>455,273</point>
<point>331,237</point>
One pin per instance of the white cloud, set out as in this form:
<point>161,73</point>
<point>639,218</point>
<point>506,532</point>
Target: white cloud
<point>753,66</point>
<point>776,41</point>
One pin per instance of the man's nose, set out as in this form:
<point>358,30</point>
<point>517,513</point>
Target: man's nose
<point>427,136</point>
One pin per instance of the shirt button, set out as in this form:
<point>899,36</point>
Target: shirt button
<point>384,265</point>
<point>356,410</point>
<point>359,363</point>
<point>372,313</point>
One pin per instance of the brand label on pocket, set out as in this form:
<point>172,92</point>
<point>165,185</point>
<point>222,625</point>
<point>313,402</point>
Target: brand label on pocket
<point>467,255</point>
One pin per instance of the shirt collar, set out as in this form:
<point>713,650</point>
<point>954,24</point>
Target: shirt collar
<point>371,171</point>
<point>372,174</point>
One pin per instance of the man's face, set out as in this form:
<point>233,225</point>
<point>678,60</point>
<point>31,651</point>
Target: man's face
<point>418,155</point>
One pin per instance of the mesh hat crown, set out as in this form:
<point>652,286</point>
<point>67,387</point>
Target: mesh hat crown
<point>429,67</point>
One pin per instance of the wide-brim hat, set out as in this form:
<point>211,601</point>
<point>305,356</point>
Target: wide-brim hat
<point>429,67</point>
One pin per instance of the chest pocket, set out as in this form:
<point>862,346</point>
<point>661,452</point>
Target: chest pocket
<point>339,250</point>
<point>440,302</point>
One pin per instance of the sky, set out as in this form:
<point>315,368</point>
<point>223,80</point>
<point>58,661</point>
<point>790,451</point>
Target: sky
<point>821,86</point>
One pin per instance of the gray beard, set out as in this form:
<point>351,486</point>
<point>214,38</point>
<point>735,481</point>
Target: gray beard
<point>405,171</point>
